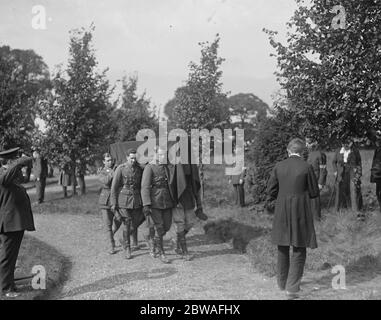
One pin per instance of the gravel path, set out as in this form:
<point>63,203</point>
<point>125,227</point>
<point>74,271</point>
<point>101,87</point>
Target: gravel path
<point>217,271</point>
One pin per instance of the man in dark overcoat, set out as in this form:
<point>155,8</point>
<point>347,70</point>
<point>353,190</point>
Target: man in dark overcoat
<point>126,200</point>
<point>375,172</point>
<point>292,184</point>
<point>15,216</point>
<point>187,189</point>
<point>40,172</point>
<point>318,160</point>
<point>238,182</point>
<point>348,171</point>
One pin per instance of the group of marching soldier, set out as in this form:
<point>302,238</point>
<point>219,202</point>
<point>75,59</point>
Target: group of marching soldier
<point>158,194</point>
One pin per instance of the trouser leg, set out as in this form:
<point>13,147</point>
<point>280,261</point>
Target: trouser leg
<point>64,189</point>
<point>162,221</point>
<point>297,262</point>
<point>378,193</point>
<point>126,214</point>
<point>236,197</point>
<point>39,191</point>
<point>241,194</point>
<point>43,185</point>
<point>283,266</point>
<point>107,219</point>
<point>353,196</point>
<point>137,220</point>
<point>11,242</point>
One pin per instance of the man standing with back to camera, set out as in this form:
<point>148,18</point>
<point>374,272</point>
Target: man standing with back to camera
<point>15,216</point>
<point>292,184</point>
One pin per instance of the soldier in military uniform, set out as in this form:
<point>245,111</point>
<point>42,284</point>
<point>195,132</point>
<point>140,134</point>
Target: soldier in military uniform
<point>158,198</point>
<point>15,216</point>
<point>105,176</point>
<point>318,160</point>
<point>126,201</point>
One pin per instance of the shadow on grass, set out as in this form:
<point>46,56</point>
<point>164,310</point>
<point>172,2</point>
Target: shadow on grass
<point>228,229</point>
<point>34,252</point>
<point>118,280</point>
<point>361,270</point>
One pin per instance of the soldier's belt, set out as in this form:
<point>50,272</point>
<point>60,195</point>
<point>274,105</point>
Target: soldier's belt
<point>130,187</point>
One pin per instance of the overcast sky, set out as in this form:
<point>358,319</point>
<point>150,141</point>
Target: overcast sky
<point>157,38</point>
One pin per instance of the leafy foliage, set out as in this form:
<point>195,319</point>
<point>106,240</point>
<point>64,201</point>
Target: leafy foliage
<point>269,147</point>
<point>332,76</point>
<point>77,112</point>
<point>247,111</point>
<point>23,79</point>
<point>201,104</point>
<point>135,112</point>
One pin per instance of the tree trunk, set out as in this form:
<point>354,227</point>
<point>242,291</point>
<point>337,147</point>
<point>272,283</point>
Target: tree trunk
<point>201,172</point>
<point>82,184</point>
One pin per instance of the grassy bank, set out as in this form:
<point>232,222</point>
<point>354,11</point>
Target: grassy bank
<point>341,238</point>
<point>36,253</point>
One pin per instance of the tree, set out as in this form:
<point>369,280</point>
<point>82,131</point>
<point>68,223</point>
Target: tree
<point>135,112</point>
<point>330,67</point>
<point>247,110</point>
<point>269,146</point>
<point>78,111</point>
<point>201,102</point>
<point>24,77</point>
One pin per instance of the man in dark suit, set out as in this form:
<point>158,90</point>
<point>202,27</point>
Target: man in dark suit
<point>40,172</point>
<point>375,171</point>
<point>348,171</point>
<point>292,184</point>
<point>238,182</point>
<point>15,216</point>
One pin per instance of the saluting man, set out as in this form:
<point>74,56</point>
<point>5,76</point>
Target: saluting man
<point>158,198</point>
<point>15,216</point>
<point>126,201</point>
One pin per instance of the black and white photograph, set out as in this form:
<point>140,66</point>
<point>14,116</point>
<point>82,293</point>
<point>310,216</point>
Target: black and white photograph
<point>190,156</point>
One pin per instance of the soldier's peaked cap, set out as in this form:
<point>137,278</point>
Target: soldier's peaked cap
<point>9,153</point>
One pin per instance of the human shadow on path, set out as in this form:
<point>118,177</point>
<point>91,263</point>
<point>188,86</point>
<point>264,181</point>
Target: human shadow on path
<point>119,279</point>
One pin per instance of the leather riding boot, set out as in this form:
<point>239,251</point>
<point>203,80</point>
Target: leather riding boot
<point>135,245</point>
<point>183,243</point>
<point>162,256</point>
<point>178,249</point>
<point>126,244</point>
<point>111,242</point>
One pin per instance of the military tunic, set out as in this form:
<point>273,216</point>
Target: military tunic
<point>155,187</point>
<point>157,193</point>
<point>105,177</point>
<point>127,179</point>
